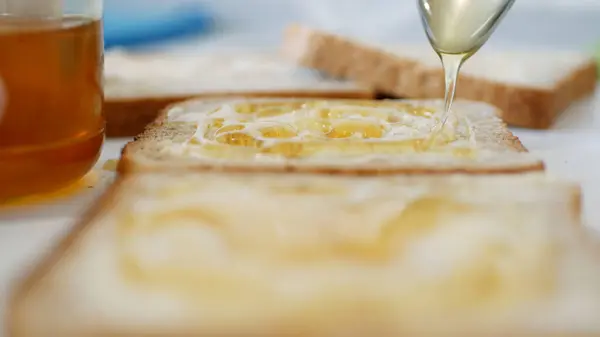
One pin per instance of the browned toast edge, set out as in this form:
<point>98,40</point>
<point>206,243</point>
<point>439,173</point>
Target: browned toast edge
<point>392,74</point>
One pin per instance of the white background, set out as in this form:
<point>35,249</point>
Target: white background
<point>531,23</point>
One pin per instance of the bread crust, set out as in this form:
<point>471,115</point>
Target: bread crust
<point>158,130</point>
<point>128,165</point>
<point>394,75</point>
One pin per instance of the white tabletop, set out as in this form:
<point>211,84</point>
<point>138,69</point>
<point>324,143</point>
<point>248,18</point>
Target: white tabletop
<point>571,150</point>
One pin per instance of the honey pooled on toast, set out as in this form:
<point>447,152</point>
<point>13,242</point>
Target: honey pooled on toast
<point>303,129</point>
<point>349,237</point>
<point>51,125</point>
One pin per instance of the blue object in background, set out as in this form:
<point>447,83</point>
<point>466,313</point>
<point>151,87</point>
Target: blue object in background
<point>135,23</point>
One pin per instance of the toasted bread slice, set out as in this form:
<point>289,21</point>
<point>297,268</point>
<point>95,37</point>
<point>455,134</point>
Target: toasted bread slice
<point>207,254</point>
<point>530,88</point>
<point>327,136</point>
<point>138,86</point>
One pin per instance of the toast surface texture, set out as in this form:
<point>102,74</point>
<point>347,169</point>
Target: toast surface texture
<point>208,254</point>
<point>530,88</point>
<point>138,86</point>
<point>327,136</point>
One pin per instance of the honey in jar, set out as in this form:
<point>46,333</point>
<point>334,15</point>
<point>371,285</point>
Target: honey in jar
<point>51,122</point>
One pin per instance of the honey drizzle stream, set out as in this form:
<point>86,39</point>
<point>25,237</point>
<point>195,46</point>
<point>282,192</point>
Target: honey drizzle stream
<point>451,64</point>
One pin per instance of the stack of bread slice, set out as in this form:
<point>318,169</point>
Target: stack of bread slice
<point>531,88</point>
<point>321,217</point>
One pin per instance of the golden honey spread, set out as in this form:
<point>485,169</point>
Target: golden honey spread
<point>302,129</point>
<point>315,248</point>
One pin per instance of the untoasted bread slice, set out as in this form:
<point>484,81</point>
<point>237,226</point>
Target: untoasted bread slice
<point>530,88</point>
<point>326,136</point>
<point>205,254</point>
<point>138,86</point>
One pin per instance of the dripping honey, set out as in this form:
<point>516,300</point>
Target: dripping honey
<point>51,126</point>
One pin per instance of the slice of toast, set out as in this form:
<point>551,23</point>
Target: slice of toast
<point>327,136</point>
<point>207,254</point>
<point>138,86</point>
<point>530,88</point>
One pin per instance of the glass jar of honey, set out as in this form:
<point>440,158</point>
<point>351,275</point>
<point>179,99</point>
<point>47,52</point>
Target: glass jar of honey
<point>51,121</point>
